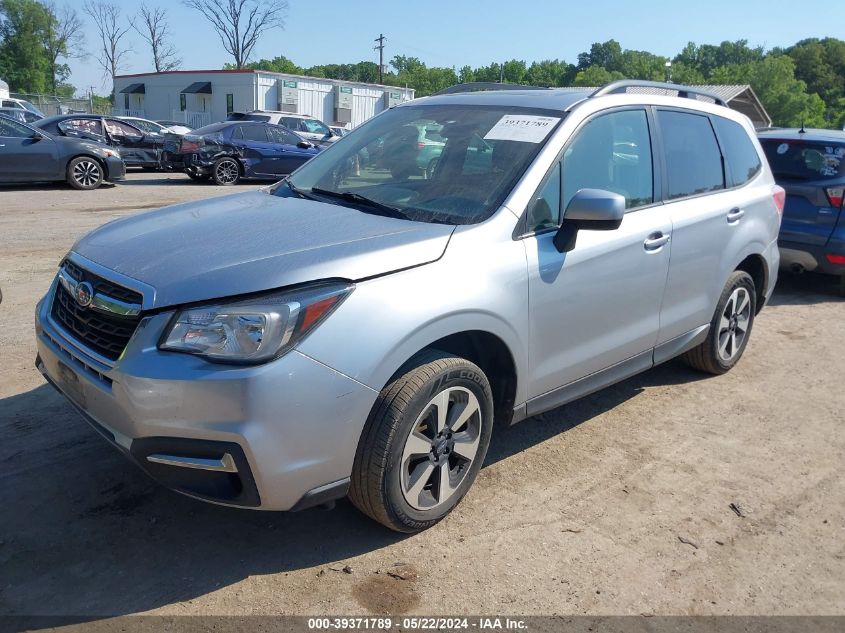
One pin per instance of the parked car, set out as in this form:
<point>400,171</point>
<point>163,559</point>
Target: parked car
<point>28,154</point>
<point>136,147</point>
<point>20,104</point>
<point>345,333</point>
<point>19,114</point>
<point>151,127</point>
<point>176,127</point>
<point>307,127</point>
<point>226,152</point>
<point>810,166</point>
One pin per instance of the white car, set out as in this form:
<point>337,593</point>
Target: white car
<point>307,127</point>
<point>152,127</point>
<point>176,127</point>
<point>20,104</point>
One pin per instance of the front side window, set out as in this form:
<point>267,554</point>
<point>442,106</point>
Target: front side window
<point>452,164</point>
<point>292,123</point>
<point>743,162</point>
<point>805,160</point>
<point>693,159</point>
<point>119,128</point>
<point>279,134</point>
<point>611,152</point>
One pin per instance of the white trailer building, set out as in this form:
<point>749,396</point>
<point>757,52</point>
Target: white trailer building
<point>200,97</point>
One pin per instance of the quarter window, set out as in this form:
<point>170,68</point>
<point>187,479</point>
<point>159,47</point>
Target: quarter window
<point>611,152</point>
<point>693,159</point>
<point>743,162</point>
<point>545,208</point>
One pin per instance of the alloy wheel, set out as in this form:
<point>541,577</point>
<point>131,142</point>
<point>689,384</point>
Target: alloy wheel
<point>227,171</point>
<point>441,448</point>
<point>733,326</point>
<point>86,173</point>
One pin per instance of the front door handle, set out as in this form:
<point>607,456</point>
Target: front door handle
<point>655,241</point>
<point>734,215</point>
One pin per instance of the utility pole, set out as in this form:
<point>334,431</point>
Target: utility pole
<point>380,49</point>
<point>91,100</point>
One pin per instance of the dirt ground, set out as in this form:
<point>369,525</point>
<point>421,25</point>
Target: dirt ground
<point>616,504</point>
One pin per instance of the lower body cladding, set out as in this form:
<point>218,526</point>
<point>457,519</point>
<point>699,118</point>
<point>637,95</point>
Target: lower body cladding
<point>279,436</point>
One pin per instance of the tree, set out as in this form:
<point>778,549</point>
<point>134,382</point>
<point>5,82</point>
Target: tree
<point>62,39</point>
<point>821,64</point>
<point>240,23</point>
<point>280,64</point>
<point>596,76</point>
<point>156,33</point>
<point>107,20</point>
<point>24,63</point>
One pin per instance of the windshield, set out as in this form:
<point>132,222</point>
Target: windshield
<point>805,160</point>
<point>442,163</point>
<point>26,104</point>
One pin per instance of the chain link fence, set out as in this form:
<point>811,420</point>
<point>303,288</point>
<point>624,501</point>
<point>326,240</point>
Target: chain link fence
<point>51,105</point>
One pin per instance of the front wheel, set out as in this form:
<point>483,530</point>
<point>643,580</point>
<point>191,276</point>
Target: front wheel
<point>84,173</point>
<point>730,327</point>
<point>226,171</point>
<point>424,442</point>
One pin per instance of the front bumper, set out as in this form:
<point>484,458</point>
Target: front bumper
<point>277,436</point>
<point>115,168</point>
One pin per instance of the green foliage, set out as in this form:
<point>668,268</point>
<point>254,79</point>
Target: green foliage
<point>24,63</point>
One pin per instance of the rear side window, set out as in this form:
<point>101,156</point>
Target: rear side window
<point>254,133</point>
<point>743,162</point>
<point>805,160</point>
<point>90,126</point>
<point>693,159</point>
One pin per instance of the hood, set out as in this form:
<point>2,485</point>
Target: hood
<point>255,241</point>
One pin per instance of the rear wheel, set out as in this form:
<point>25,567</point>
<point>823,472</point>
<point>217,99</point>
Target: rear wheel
<point>84,173</point>
<point>424,442</point>
<point>226,171</point>
<point>730,327</point>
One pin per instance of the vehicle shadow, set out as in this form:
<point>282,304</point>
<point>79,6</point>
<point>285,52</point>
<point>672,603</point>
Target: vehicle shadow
<point>806,289</point>
<point>90,535</point>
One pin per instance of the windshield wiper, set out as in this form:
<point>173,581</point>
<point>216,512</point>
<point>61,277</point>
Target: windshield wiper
<point>296,190</point>
<point>357,198</point>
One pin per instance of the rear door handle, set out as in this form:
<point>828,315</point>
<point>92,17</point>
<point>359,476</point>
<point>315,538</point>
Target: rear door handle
<point>734,215</point>
<point>655,241</point>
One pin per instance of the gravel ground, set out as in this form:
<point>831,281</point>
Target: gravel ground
<point>619,503</point>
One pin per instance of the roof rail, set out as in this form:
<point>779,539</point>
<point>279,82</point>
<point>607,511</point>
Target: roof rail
<point>484,85</point>
<point>685,92</point>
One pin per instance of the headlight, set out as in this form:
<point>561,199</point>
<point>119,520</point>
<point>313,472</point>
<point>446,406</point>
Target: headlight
<point>253,330</point>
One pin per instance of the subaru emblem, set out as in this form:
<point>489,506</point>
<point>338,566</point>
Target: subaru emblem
<point>84,294</point>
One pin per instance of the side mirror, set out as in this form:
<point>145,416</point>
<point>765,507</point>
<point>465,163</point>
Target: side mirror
<point>589,210</point>
<point>37,136</point>
<point>305,145</point>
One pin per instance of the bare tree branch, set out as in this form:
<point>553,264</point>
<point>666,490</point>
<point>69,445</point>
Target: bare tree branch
<point>156,33</point>
<point>62,39</point>
<point>240,23</point>
<point>107,19</point>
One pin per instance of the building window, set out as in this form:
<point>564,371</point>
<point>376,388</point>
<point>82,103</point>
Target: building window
<point>182,102</point>
<point>126,101</point>
<point>230,104</point>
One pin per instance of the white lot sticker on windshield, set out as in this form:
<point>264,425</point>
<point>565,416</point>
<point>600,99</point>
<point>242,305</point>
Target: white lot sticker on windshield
<point>521,127</point>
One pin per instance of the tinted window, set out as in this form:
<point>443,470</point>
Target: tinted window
<point>805,160</point>
<point>11,129</point>
<point>254,133</point>
<point>545,208</point>
<point>281,135</point>
<point>611,152</point>
<point>743,162</point>
<point>693,160</point>
<point>292,123</point>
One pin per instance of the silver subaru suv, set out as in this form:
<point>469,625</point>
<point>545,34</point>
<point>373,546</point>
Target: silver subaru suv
<point>360,327</point>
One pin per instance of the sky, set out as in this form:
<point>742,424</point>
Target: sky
<point>476,33</point>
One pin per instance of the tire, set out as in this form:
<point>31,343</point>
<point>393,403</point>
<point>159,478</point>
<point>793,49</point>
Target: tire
<point>394,480</point>
<point>226,171</point>
<point>85,173</point>
<point>198,177</point>
<point>726,340</point>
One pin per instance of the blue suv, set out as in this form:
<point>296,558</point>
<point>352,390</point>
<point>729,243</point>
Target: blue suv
<point>810,166</point>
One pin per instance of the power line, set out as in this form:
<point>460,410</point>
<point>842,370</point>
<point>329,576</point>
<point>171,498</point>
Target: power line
<point>380,48</point>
